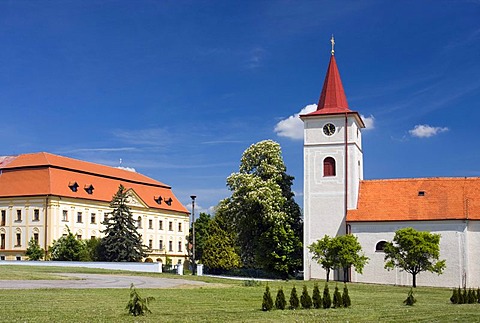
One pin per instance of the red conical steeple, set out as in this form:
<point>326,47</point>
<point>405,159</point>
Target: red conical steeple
<point>332,98</point>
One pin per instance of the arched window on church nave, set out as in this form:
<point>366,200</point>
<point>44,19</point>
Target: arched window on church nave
<point>329,167</point>
<point>380,247</point>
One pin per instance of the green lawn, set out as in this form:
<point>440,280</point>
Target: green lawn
<point>229,302</point>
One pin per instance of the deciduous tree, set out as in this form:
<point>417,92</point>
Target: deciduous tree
<point>323,253</point>
<point>67,248</point>
<point>219,252</point>
<point>347,252</point>
<point>414,251</point>
<point>34,251</point>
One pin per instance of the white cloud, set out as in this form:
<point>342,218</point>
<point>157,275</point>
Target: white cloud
<point>425,131</point>
<point>292,127</point>
<point>369,122</point>
<point>130,169</point>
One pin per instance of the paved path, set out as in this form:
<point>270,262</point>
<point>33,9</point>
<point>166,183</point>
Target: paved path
<point>79,281</point>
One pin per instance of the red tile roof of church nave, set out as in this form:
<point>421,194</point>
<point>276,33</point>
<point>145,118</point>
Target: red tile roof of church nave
<point>417,199</point>
<point>44,173</point>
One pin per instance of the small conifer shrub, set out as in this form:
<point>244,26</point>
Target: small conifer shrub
<point>471,296</point>
<point>460,296</point>
<point>138,305</point>
<point>305,299</point>
<point>346,302</point>
<point>326,300</point>
<point>280,301</point>
<point>454,297</point>
<point>267,303</point>
<point>478,295</point>
<point>316,298</point>
<point>410,298</point>
<point>294,302</point>
<point>337,297</point>
<point>465,296</point>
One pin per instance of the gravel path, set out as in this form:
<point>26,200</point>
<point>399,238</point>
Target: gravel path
<point>79,281</point>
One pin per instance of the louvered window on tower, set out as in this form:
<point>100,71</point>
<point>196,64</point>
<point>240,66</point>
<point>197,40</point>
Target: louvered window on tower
<point>329,167</point>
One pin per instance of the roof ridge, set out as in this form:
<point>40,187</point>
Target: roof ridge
<point>405,179</point>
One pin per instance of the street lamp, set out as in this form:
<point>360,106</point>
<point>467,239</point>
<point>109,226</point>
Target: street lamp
<point>193,197</point>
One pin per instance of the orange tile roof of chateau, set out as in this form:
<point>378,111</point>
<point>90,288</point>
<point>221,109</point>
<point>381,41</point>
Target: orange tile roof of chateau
<point>399,200</point>
<point>44,173</point>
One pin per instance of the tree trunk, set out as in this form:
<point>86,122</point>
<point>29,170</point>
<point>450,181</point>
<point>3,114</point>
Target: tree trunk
<point>345,275</point>
<point>328,274</point>
<point>414,280</point>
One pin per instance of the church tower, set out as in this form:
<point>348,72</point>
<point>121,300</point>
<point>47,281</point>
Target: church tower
<point>333,165</point>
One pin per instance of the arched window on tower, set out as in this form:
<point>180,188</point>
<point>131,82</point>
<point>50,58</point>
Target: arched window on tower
<point>329,167</point>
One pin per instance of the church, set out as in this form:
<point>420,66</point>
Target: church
<point>338,201</point>
<point>42,195</point>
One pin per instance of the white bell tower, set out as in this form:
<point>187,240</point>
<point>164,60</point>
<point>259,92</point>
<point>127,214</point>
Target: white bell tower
<point>333,165</point>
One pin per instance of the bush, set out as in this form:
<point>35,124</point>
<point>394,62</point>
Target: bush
<point>346,302</point>
<point>337,298</point>
<point>305,299</point>
<point>460,296</point>
<point>454,297</point>
<point>327,301</point>
<point>294,303</point>
<point>316,298</point>
<point>267,303</point>
<point>148,259</point>
<point>410,298</point>
<point>280,301</point>
<point>471,296</point>
<point>251,283</point>
<point>478,295</point>
<point>138,305</point>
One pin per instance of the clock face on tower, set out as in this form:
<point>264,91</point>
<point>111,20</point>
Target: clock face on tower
<point>329,129</point>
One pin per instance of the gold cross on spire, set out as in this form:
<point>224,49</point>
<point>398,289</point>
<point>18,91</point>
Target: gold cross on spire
<point>333,45</point>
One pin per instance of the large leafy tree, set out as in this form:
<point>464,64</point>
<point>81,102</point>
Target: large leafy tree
<point>202,225</point>
<point>414,251</point>
<point>34,251</point>
<point>348,252</point>
<point>122,242</point>
<point>68,248</point>
<point>323,253</point>
<point>340,252</point>
<point>219,252</point>
<point>262,211</point>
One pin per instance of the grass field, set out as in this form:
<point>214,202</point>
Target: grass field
<point>231,301</point>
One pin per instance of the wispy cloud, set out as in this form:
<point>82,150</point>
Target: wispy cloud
<point>221,142</point>
<point>426,131</point>
<point>108,150</point>
<point>292,127</point>
<point>255,57</point>
<point>369,122</point>
<point>151,137</point>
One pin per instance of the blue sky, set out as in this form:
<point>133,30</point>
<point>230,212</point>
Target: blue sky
<point>179,89</point>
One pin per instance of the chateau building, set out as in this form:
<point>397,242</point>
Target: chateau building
<point>337,200</point>
<point>41,194</point>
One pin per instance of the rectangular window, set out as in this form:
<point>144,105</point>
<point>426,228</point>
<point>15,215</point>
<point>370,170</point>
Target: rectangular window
<point>2,241</point>
<point>170,226</point>
<point>2,257</point>
<point>18,258</point>
<point>105,217</point>
<point>4,218</point>
<point>160,225</point>
<point>180,227</point>
<point>65,215</point>
<point>93,218</point>
<point>150,224</point>
<point>36,215</point>
<point>19,216</point>
<point>19,240</point>
<point>35,237</point>
<point>179,246</point>
<point>170,246</point>
<point>79,237</point>
<point>150,244</point>
<point>79,217</point>
<point>139,222</point>
<point>93,237</point>
<point>160,244</point>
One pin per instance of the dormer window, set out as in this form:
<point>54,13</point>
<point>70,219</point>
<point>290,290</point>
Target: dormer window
<point>169,201</point>
<point>73,186</point>
<point>89,189</point>
<point>421,193</point>
<point>158,199</point>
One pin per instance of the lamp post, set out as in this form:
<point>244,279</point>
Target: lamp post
<point>193,197</point>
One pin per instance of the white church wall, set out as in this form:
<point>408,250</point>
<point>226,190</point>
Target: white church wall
<point>452,246</point>
<point>473,252</point>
